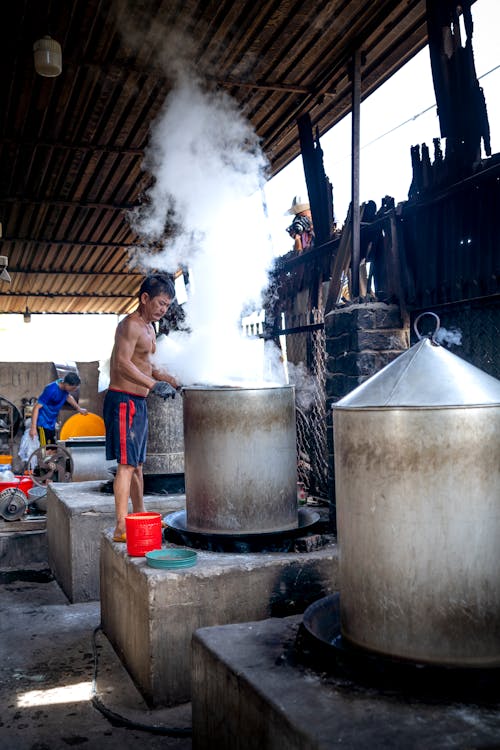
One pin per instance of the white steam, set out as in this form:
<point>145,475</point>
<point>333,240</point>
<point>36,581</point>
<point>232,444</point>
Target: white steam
<point>208,171</point>
<point>306,386</point>
<point>449,337</point>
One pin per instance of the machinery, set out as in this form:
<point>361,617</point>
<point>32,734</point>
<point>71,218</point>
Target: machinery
<point>10,420</point>
<point>14,498</point>
<point>13,504</point>
<point>52,463</point>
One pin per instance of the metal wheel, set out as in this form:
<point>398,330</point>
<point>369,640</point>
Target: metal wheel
<point>13,504</point>
<point>10,416</point>
<point>51,463</point>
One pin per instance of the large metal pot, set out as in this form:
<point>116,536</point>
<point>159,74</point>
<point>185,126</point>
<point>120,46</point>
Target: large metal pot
<point>240,459</point>
<point>417,473</point>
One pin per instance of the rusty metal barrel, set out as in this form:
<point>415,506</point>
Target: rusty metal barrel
<point>240,459</point>
<point>417,474</point>
<point>165,448</point>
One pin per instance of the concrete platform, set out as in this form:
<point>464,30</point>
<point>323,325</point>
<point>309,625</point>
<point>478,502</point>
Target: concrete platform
<point>23,543</point>
<point>77,514</point>
<point>248,694</point>
<point>149,615</point>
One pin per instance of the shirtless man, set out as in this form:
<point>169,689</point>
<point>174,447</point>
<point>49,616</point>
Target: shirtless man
<point>132,377</point>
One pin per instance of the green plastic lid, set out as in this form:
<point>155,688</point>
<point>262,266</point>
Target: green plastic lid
<point>171,559</point>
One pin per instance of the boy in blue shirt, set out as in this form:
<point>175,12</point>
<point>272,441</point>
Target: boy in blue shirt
<point>50,403</point>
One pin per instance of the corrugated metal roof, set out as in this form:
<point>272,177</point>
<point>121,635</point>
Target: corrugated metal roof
<point>72,147</point>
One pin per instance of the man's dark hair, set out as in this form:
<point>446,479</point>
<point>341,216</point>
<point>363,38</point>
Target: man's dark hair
<point>157,283</point>
<point>71,378</point>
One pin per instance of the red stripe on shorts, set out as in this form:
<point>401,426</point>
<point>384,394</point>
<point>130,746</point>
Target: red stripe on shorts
<point>131,413</point>
<point>122,417</point>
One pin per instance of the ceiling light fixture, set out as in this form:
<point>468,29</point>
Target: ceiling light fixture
<point>4,274</point>
<point>27,315</point>
<point>48,57</point>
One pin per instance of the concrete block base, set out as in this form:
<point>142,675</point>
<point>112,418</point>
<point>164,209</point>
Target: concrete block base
<point>77,514</point>
<point>247,693</point>
<point>149,615</point>
<point>23,544</point>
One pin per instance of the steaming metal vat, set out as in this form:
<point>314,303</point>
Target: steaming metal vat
<point>417,472</point>
<point>240,459</point>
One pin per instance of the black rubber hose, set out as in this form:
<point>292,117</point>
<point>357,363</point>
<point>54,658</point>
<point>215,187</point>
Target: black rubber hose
<point>119,720</point>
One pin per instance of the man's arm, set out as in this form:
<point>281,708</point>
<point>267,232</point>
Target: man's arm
<point>34,419</point>
<point>160,374</point>
<point>74,403</point>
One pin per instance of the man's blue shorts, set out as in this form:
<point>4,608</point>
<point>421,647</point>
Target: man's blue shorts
<point>126,419</point>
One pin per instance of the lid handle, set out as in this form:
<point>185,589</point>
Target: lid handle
<point>432,335</point>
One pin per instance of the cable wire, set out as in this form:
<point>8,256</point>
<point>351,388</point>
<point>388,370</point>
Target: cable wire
<point>419,114</point>
<point>119,720</point>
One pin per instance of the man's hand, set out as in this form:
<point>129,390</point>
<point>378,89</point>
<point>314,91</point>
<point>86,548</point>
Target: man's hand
<point>165,390</point>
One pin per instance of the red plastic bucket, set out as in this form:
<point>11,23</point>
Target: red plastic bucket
<point>143,533</point>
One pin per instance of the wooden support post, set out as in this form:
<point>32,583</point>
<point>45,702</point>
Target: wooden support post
<point>355,216</point>
<point>318,185</point>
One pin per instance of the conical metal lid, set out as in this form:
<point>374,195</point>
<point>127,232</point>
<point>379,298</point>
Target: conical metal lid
<point>427,375</point>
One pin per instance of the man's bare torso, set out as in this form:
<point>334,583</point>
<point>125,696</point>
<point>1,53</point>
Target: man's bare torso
<point>131,365</point>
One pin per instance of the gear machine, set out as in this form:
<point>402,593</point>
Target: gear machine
<point>52,463</point>
<point>13,497</point>
<point>13,503</point>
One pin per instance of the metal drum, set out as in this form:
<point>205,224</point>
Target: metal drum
<point>88,456</point>
<point>417,474</point>
<point>240,459</point>
<point>165,447</point>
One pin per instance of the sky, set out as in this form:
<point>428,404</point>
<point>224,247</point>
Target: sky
<point>400,114</point>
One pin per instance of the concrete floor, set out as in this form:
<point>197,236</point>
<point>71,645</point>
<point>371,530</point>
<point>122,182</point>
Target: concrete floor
<point>55,667</point>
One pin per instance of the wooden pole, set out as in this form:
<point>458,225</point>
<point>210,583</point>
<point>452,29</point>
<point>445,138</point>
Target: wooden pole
<point>355,132</point>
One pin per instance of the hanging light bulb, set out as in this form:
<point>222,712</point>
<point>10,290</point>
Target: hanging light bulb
<point>27,315</point>
<point>4,262</point>
<point>48,57</point>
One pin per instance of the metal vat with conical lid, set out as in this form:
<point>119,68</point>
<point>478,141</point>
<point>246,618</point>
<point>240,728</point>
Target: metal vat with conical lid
<point>417,474</point>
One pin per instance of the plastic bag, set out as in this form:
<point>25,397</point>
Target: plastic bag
<point>28,445</point>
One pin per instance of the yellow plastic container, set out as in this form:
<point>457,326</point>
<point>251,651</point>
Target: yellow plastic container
<point>4,459</point>
<point>83,425</point>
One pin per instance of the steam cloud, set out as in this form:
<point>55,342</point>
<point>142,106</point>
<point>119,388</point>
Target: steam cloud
<point>206,210</point>
<point>449,337</point>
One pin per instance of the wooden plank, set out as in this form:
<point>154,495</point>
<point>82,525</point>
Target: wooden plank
<point>340,263</point>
